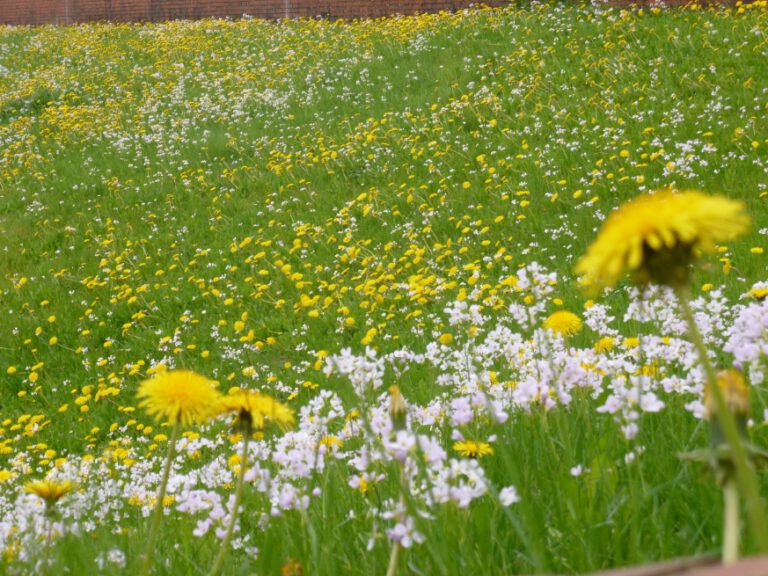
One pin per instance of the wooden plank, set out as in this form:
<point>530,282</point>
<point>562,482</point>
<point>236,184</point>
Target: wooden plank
<point>698,566</point>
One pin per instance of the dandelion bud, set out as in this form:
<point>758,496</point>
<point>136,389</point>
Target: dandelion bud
<point>735,393</point>
<point>397,410</point>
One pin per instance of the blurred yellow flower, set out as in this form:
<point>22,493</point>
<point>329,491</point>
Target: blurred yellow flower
<point>564,323</point>
<point>472,448</point>
<point>179,396</point>
<point>759,293</point>
<point>49,490</point>
<point>734,390</point>
<point>654,237</point>
<point>605,344</point>
<point>445,338</point>
<point>257,410</point>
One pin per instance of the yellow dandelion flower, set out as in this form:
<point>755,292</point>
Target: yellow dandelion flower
<point>331,442</point>
<point>759,292</point>
<point>472,448</point>
<point>49,490</point>
<point>654,237</point>
<point>179,396</point>
<point>363,485</point>
<point>631,342</point>
<point>564,323</point>
<point>256,410</point>
<point>605,344</point>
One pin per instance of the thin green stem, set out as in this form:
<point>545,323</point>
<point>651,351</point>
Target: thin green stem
<point>731,525</point>
<point>374,438</point>
<point>146,565</point>
<point>48,557</point>
<point>393,559</point>
<point>394,556</point>
<point>745,472</point>
<point>219,562</point>
<point>313,543</point>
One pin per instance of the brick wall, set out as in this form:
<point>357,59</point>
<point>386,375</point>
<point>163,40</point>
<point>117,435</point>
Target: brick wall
<point>73,11</point>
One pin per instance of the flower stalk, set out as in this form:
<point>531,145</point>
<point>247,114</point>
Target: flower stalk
<point>50,491</point>
<point>255,411</point>
<point>224,549</point>
<point>731,523</point>
<point>398,413</point>
<point>745,477</point>
<point>394,557</point>
<point>146,564</point>
<point>48,557</point>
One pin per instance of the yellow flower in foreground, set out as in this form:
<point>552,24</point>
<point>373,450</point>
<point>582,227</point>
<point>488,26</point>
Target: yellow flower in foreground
<point>564,323</point>
<point>654,237</point>
<point>49,490</point>
<point>179,396</point>
<point>257,410</point>
<point>472,448</point>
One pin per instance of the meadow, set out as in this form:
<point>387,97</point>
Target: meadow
<point>320,210</point>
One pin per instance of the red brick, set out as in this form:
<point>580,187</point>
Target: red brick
<point>74,11</point>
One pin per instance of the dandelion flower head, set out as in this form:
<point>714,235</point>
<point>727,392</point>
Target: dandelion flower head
<point>654,237</point>
<point>564,323</point>
<point>605,344</point>
<point>49,490</point>
<point>472,448</point>
<point>179,396</point>
<point>260,409</point>
<point>759,291</point>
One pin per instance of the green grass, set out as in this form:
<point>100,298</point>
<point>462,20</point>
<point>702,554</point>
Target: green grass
<point>317,180</point>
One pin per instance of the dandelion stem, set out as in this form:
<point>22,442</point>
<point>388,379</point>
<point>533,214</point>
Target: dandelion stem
<point>146,565</point>
<point>48,557</point>
<point>395,555</point>
<point>745,472</point>
<point>731,527</point>
<point>393,558</point>
<point>219,562</point>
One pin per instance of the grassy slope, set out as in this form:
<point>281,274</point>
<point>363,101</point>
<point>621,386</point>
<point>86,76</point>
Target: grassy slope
<point>160,183</point>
